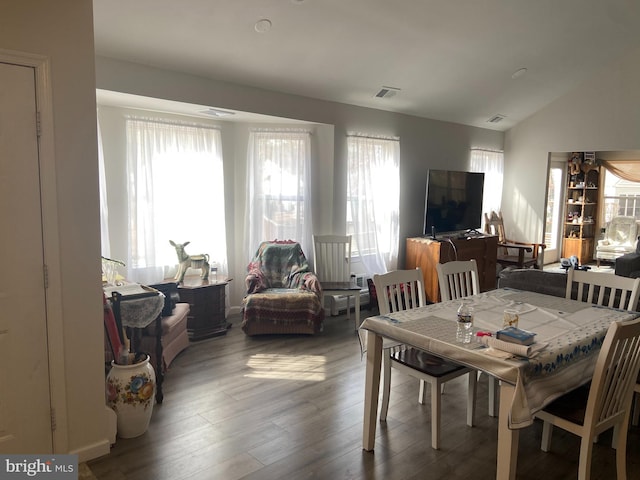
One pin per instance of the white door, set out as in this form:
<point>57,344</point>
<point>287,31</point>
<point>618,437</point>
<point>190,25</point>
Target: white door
<point>555,211</point>
<point>25,406</point>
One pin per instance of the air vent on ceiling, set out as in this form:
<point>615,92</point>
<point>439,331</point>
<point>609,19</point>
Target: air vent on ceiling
<point>496,118</point>
<point>215,112</point>
<point>387,92</point>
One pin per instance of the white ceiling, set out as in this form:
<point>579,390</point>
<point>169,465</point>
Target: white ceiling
<point>452,60</point>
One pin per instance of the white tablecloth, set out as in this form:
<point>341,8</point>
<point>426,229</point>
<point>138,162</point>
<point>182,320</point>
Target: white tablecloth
<point>572,330</point>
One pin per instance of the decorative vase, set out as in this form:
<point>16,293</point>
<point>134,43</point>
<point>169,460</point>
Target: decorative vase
<point>130,393</point>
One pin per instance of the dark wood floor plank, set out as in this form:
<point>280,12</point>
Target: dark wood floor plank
<point>274,407</point>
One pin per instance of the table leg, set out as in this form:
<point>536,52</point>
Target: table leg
<point>508,439</point>
<point>371,390</point>
<point>357,308</point>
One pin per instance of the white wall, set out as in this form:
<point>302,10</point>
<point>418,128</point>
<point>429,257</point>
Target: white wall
<point>602,114</point>
<point>63,32</point>
<point>424,143</point>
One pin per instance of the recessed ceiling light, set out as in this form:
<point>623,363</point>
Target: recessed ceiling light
<point>263,25</point>
<point>519,73</point>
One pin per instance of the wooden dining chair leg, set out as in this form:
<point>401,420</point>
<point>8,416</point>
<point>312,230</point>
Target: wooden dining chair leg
<point>584,462</point>
<point>547,431</point>
<point>386,384</point>
<point>422,394</point>
<point>493,395</point>
<point>436,404</point>
<point>471,395</point>
<point>620,442</point>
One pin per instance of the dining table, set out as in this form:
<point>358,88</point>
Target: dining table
<point>568,337</point>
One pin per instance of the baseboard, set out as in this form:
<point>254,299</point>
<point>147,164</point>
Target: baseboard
<point>89,452</point>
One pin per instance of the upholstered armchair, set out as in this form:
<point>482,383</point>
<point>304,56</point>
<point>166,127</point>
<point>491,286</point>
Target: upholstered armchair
<point>620,239</point>
<point>283,293</point>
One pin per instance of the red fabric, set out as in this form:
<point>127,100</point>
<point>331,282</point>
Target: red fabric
<point>111,327</point>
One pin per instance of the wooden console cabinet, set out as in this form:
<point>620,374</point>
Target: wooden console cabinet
<point>207,301</point>
<point>426,253</point>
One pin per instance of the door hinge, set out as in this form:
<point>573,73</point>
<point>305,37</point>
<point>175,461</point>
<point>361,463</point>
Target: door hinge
<point>53,420</point>
<point>38,124</point>
<point>45,270</point>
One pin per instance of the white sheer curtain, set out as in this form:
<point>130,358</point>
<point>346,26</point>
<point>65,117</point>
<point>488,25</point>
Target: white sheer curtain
<point>373,199</point>
<point>492,164</point>
<point>105,244</point>
<point>175,192</point>
<point>278,188</point>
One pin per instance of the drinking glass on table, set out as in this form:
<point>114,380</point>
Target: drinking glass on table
<point>510,318</point>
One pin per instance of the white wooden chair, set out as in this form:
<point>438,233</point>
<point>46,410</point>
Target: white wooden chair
<point>589,411</point>
<point>458,279</point>
<point>402,290</point>
<point>603,289</point>
<point>332,264</point>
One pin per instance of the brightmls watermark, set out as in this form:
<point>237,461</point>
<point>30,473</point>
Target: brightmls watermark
<point>51,467</point>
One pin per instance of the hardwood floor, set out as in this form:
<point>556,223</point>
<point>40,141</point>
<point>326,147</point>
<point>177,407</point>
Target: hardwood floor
<point>291,407</point>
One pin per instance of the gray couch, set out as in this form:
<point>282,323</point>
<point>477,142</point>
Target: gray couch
<point>628,265</point>
<point>534,280</point>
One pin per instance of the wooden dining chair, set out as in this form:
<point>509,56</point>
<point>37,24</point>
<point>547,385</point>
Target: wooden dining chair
<point>602,288</point>
<point>332,264</point>
<point>403,290</point>
<point>605,403</point>
<point>512,253</point>
<point>458,279</point>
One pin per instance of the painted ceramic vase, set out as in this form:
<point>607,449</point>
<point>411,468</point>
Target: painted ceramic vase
<point>131,394</point>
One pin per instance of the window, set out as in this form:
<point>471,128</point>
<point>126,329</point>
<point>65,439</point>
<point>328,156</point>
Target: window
<point>492,164</point>
<point>373,198</point>
<point>278,188</point>
<point>621,198</point>
<point>175,192</point>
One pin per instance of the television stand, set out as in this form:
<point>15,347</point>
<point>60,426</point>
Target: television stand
<point>426,253</point>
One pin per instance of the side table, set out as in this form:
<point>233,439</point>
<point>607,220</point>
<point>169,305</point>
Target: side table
<point>207,316</point>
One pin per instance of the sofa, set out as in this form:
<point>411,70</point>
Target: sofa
<point>628,265</point>
<point>533,280</point>
<point>174,336</point>
<point>283,293</point>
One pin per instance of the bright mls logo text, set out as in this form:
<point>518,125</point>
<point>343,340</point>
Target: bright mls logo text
<point>52,467</point>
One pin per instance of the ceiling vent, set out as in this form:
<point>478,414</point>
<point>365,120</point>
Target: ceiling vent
<point>387,92</point>
<point>215,112</point>
<point>496,118</point>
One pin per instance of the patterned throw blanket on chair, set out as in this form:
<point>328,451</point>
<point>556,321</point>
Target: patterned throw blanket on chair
<point>283,294</point>
<point>281,264</point>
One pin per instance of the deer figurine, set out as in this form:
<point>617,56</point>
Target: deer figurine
<point>187,261</point>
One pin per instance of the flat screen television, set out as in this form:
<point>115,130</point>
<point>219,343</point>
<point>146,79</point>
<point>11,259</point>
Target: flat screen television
<point>453,201</point>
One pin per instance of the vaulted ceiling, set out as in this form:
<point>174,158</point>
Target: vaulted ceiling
<point>463,61</point>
